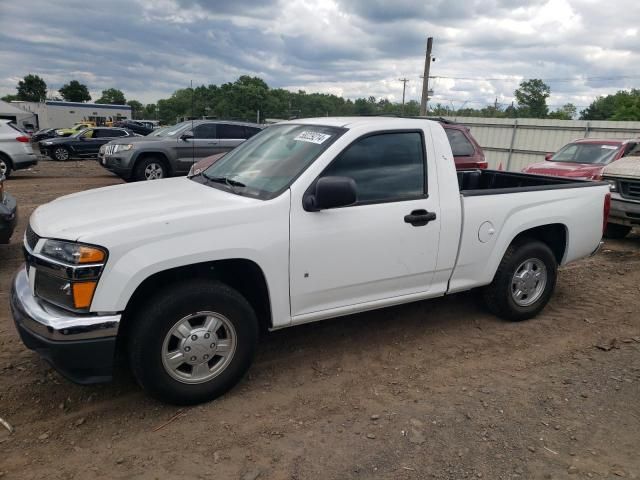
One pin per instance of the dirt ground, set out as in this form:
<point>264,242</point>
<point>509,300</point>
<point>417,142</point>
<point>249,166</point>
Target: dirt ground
<point>436,389</point>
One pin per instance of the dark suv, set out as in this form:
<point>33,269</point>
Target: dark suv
<point>173,150</point>
<point>85,143</point>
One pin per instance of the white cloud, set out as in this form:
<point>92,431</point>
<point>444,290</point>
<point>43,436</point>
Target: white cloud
<point>353,48</point>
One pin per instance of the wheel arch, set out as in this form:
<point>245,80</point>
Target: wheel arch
<point>243,275</point>
<point>159,154</point>
<point>7,158</point>
<point>554,235</point>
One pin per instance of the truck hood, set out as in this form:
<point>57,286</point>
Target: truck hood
<point>566,169</point>
<point>88,215</point>
<point>625,167</point>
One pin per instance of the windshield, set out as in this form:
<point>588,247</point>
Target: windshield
<point>171,131</point>
<point>270,161</point>
<point>80,133</point>
<point>592,153</point>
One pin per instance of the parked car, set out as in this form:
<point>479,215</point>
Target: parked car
<point>85,143</point>
<point>624,179</point>
<point>467,153</point>
<point>15,150</point>
<point>201,165</point>
<point>134,126</point>
<point>309,220</point>
<point>77,127</point>
<point>173,150</point>
<point>584,159</point>
<point>43,134</point>
<point>8,213</point>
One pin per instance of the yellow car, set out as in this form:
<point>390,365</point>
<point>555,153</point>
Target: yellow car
<point>67,132</point>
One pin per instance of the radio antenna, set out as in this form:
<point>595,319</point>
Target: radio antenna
<point>193,143</point>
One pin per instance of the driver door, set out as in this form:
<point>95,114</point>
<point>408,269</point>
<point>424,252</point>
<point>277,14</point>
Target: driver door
<point>370,251</point>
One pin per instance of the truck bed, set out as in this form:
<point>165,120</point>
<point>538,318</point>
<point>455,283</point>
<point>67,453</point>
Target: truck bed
<point>491,182</point>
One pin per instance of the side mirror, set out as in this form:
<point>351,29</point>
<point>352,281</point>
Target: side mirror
<point>331,192</point>
<point>186,136</point>
<point>548,156</point>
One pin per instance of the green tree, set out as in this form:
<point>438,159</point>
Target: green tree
<point>112,96</point>
<point>32,88</point>
<point>532,98</point>
<point>623,105</point>
<point>74,91</point>
<point>136,109</point>
<point>566,112</point>
<point>9,98</point>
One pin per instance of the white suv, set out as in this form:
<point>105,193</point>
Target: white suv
<point>15,149</point>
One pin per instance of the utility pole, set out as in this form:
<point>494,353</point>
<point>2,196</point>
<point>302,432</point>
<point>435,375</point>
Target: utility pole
<point>404,88</point>
<point>425,79</point>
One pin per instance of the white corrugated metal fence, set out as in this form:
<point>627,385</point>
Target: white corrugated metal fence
<point>518,142</point>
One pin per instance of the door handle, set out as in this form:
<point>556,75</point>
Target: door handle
<point>212,143</point>
<point>419,218</point>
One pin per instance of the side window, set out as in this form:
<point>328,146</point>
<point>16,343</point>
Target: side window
<point>89,134</point>
<point>385,167</point>
<point>250,131</point>
<point>101,133</point>
<point>207,130</point>
<point>226,130</point>
<point>117,133</point>
<point>460,145</point>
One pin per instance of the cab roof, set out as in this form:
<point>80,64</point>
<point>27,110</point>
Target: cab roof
<point>354,122</point>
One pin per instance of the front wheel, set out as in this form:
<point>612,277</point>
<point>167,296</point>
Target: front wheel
<point>615,230</point>
<point>524,281</point>
<point>61,154</point>
<point>150,169</point>
<point>192,342</point>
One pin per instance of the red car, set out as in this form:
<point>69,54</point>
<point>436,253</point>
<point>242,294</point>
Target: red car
<point>467,153</point>
<point>584,159</point>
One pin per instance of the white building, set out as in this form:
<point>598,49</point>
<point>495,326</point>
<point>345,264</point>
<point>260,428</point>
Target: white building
<point>61,114</point>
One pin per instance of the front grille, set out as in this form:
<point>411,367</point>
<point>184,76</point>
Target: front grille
<point>31,237</point>
<point>630,190</point>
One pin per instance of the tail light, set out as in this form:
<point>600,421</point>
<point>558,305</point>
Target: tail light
<point>23,139</point>
<point>605,211</point>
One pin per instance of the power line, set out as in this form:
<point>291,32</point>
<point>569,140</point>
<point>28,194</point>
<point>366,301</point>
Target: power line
<point>559,79</point>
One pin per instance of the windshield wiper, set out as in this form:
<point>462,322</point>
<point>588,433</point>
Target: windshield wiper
<point>229,181</point>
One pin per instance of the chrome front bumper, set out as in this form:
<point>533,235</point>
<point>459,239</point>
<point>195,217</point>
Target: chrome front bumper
<point>80,346</point>
<point>53,323</point>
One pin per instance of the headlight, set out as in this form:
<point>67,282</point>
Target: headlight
<point>59,132</point>
<point>613,185</point>
<point>72,253</point>
<point>47,143</point>
<point>72,286</point>
<point>122,148</point>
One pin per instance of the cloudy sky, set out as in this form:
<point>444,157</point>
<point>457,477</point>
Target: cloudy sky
<point>353,48</point>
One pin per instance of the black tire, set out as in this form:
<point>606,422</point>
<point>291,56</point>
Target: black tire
<point>154,320</point>
<point>498,296</point>
<point>5,166</point>
<point>615,230</point>
<point>141,173</point>
<point>60,154</point>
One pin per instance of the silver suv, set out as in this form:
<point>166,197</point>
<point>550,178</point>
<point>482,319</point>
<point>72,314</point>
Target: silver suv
<point>15,149</point>
<point>172,150</point>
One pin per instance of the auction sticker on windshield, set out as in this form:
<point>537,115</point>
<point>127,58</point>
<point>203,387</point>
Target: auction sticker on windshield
<point>312,137</point>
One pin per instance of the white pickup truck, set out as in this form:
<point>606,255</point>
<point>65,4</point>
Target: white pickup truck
<point>308,220</point>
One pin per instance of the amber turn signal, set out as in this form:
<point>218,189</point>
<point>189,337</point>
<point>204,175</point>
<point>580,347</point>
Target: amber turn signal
<point>83,294</point>
<point>90,255</point>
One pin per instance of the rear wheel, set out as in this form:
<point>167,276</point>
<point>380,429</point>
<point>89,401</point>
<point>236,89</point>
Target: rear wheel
<point>524,281</point>
<point>5,166</point>
<point>615,230</point>
<point>150,168</point>
<point>192,342</point>
<point>61,154</point>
